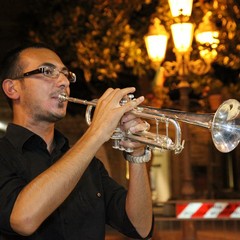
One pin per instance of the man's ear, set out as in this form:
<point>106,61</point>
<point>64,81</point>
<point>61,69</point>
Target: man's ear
<point>9,89</point>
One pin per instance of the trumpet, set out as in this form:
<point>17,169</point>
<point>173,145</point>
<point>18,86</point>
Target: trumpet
<point>223,125</point>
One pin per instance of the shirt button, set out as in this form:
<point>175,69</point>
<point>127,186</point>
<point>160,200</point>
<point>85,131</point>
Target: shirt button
<point>99,194</point>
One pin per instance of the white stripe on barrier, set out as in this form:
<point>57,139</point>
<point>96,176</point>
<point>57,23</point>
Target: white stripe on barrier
<point>189,210</point>
<point>236,213</point>
<point>215,210</point>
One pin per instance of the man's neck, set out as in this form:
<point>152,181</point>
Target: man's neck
<point>42,129</point>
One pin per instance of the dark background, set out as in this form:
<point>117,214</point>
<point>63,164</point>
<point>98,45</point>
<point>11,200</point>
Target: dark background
<point>11,30</point>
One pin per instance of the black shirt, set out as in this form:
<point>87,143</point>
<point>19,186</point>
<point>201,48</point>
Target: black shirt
<point>96,200</point>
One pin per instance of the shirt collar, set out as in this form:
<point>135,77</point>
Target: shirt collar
<point>19,135</point>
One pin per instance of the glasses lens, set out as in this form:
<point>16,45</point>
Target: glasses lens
<point>53,72</point>
<point>50,72</point>
<point>72,77</point>
<point>69,75</point>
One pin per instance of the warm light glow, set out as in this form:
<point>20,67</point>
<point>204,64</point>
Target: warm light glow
<point>182,36</point>
<point>156,47</point>
<point>208,55</point>
<point>207,33</point>
<point>156,41</point>
<point>208,37</point>
<point>180,7</point>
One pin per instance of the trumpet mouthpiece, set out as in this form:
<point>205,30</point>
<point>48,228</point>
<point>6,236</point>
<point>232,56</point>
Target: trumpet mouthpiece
<point>62,97</point>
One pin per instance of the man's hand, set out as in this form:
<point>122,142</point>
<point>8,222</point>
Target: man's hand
<point>109,111</point>
<point>130,122</point>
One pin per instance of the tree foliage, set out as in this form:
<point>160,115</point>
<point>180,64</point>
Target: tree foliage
<point>103,37</point>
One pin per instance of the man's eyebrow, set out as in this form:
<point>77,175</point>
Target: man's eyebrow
<point>52,65</point>
<point>47,64</point>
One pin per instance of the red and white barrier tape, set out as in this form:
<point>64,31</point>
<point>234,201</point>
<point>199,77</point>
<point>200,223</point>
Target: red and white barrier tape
<point>209,210</point>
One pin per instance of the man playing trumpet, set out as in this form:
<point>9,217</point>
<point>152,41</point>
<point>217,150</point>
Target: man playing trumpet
<point>51,191</point>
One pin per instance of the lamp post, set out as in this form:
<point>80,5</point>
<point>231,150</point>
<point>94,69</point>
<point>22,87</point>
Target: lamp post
<point>182,32</point>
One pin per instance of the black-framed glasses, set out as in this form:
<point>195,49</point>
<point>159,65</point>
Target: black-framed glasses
<point>51,72</point>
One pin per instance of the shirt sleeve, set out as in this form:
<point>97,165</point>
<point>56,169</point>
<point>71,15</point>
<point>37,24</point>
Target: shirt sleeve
<point>10,186</point>
<point>115,199</point>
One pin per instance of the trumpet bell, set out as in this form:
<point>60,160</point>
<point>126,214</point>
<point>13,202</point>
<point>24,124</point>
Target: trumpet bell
<point>225,126</point>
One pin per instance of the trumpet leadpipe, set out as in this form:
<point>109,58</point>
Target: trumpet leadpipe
<point>63,98</point>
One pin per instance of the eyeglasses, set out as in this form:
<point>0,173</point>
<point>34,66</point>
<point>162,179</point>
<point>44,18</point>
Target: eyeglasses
<point>51,72</point>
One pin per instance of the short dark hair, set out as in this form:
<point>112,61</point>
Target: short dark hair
<point>10,67</point>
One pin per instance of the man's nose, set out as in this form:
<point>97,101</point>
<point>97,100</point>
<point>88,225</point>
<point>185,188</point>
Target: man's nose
<point>63,80</point>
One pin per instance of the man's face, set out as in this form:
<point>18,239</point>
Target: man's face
<point>39,92</point>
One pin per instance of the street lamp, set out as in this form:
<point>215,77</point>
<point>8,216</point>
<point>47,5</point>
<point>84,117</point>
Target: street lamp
<point>207,35</point>
<point>156,42</point>
<point>181,7</point>
<point>182,33</point>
